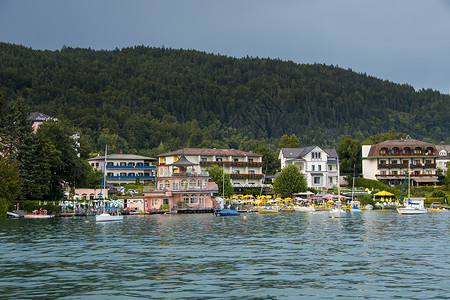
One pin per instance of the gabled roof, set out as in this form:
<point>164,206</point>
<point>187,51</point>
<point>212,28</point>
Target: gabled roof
<point>292,153</point>
<point>122,157</point>
<point>217,152</point>
<point>182,161</point>
<point>40,117</point>
<point>402,143</point>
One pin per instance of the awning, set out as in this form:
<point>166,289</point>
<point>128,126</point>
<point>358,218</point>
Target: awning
<point>418,180</point>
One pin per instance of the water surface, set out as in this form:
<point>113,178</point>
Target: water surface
<point>292,255</point>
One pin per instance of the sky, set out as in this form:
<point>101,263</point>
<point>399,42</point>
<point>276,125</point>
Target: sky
<point>403,41</point>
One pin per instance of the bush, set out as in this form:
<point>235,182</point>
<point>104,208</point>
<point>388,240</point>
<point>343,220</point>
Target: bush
<point>438,194</point>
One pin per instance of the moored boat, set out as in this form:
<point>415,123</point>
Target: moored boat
<point>268,210</point>
<point>42,214</point>
<point>106,217</point>
<point>227,212</point>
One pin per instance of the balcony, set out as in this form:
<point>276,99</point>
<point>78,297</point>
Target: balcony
<point>187,174</point>
<point>131,177</point>
<point>131,167</point>
<point>231,163</point>
<point>246,176</point>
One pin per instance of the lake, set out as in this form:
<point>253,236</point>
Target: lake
<point>290,255</point>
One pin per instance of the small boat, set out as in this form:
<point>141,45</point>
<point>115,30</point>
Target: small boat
<point>412,206</point>
<point>227,212</point>
<point>12,215</point>
<point>304,208</point>
<point>436,207</point>
<point>368,207</point>
<point>355,208</point>
<point>337,212</point>
<point>41,214</point>
<point>268,210</point>
<point>105,217</point>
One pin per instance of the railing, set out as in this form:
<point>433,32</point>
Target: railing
<point>130,167</point>
<point>185,174</point>
<point>246,176</point>
<point>131,177</point>
<point>231,163</point>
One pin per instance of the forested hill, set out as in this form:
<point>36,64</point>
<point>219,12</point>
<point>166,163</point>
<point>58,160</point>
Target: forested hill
<point>143,98</point>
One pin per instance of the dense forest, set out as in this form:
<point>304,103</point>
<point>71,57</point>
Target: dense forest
<point>150,100</point>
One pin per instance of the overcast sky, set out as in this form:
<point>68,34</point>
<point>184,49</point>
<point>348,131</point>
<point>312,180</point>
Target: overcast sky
<point>404,41</point>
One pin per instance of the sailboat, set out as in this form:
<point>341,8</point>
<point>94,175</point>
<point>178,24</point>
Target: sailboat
<point>226,212</point>
<point>338,211</point>
<point>412,206</point>
<point>104,216</point>
<point>354,204</point>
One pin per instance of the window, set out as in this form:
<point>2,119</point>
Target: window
<point>175,185</point>
<point>131,164</point>
<point>202,200</point>
<point>313,168</point>
<point>192,184</point>
<point>166,185</point>
<point>316,180</point>
<point>203,159</point>
<point>251,172</point>
<point>250,160</point>
<point>185,198</point>
<point>165,201</point>
<point>199,183</point>
<point>166,171</point>
<point>330,168</point>
<point>194,199</point>
<point>330,180</point>
<point>235,159</point>
<point>236,172</point>
<point>184,183</point>
<point>154,202</point>
<point>319,167</point>
<point>123,164</point>
<point>219,159</point>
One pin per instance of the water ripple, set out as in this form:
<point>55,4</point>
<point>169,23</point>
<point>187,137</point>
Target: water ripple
<point>371,255</point>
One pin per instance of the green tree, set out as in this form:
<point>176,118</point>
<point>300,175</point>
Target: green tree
<point>289,141</point>
<point>9,183</point>
<point>45,160</point>
<point>66,165</point>
<point>349,152</point>
<point>216,175</point>
<point>289,181</point>
<point>271,163</point>
<point>18,140</point>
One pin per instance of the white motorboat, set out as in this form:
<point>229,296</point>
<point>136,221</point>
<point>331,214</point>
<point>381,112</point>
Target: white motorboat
<point>413,206</point>
<point>304,208</point>
<point>337,212</point>
<point>105,217</point>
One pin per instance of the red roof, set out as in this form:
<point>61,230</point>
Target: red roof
<point>210,152</point>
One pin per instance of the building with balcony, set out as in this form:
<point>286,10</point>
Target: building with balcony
<point>181,185</point>
<point>320,166</point>
<point>126,168</point>
<point>443,158</point>
<point>389,161</point>
<point>244,168</point>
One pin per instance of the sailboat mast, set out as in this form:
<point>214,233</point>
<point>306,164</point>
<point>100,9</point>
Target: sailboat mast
<point>103,179</point>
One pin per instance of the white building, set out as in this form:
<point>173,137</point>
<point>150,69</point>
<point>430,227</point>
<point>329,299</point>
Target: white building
<point>244,168</point>
<point>126,168</point>
<point>320,166</point>
<point>444,157</point>
<point>389,161</point>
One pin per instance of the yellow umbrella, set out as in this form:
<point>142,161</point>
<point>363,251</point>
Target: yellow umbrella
<point>249,196</point>
<point>383,194</point>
